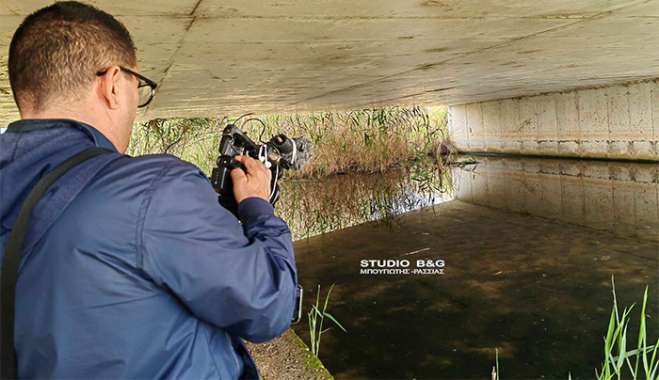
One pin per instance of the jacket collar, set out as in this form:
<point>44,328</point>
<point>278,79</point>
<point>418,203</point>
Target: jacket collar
<point>26,125</point>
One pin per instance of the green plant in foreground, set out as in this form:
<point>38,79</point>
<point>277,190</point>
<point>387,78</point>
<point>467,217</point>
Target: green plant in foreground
<point>317,317</point>
<point>495,369</point>
<point>616,340</point>
<point>615,343</point>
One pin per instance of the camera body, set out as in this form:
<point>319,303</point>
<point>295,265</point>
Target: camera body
<point>278,154</point>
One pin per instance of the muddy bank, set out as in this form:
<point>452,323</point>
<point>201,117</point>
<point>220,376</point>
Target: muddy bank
<point>287,357</point>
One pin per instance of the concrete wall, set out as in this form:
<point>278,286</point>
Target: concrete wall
<point>212,58</point>
<point>616,122</point>
<point>614,196</point>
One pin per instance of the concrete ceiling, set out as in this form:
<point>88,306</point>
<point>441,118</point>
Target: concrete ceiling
<point>217,56</point>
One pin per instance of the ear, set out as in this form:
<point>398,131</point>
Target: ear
<point>108,89</point>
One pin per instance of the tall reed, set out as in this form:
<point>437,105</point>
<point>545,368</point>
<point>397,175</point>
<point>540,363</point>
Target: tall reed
<point>370,140</point>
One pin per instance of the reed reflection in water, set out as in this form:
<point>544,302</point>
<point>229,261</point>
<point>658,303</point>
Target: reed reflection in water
<point>317,206</point>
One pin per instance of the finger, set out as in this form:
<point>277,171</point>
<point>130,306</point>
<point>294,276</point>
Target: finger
<point>237,174</point>
<point>245,160</point>
<point>252,165</point>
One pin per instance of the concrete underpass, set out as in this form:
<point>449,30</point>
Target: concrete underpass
<point>531,243</point>
<point>559,78</point>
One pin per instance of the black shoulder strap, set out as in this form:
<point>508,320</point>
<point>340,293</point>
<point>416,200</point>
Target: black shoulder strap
<point>14,253</point>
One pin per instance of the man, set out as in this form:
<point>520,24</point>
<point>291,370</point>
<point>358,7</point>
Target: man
<point>131,268</point>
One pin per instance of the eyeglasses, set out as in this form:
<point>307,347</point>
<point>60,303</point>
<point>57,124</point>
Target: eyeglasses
<point>146,87</point>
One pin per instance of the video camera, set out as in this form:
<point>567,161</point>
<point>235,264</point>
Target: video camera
<point>277,154</point>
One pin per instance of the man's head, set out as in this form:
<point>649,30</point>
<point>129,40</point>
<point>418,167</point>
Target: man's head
<point>65,59</point>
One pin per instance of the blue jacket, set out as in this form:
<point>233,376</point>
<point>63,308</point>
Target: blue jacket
<point>131,267</point>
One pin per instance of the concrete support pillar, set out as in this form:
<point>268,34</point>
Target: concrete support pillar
<point>615,122</point>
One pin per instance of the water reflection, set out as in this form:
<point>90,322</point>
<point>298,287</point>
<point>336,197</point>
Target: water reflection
<point>315,206</point>
<point>613,196</point>
<point>529,254</point>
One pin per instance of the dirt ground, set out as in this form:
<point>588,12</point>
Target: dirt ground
<point>287,357</point>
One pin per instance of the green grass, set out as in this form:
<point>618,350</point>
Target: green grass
<point>619,362</point>
<point>370,140</point>
<point>316,318</point>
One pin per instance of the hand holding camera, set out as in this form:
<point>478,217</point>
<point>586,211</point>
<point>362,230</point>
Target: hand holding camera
<point>246,169</point>
<point>252,182</point>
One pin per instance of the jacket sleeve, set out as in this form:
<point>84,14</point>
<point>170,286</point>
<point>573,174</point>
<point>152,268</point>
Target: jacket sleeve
<point>241,278</point>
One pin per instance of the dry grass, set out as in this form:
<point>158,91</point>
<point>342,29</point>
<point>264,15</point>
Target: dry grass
<point>367,141</point>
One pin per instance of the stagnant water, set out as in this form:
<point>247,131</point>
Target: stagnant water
<point>529,247</point>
